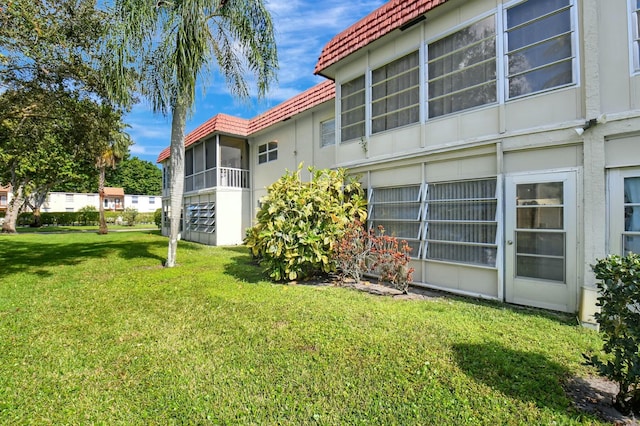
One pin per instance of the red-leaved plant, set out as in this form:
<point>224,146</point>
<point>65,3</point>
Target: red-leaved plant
<point>362,251</point>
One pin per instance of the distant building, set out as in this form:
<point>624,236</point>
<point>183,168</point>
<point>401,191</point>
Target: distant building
<point>4,198</point>
<point>114,200</point>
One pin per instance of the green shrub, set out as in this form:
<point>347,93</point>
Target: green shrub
<point>619,320</point>
<point>361,252</point>
<point>130,216</point>
<point>299,222</point>
<point>88,215</point>
<point>157,218</point>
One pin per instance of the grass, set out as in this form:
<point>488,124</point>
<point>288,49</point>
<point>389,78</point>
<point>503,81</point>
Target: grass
<point>93,330</point>
<point>82,228</point>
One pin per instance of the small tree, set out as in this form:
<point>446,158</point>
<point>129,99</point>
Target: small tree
<point>157,217</point>
<point>619,320</point>
<point>300,223</point>
<point>88,215</point>
<point>362,251</point>
<point>130,215</point>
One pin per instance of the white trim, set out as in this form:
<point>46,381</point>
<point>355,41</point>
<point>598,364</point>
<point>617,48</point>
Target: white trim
<point>575,50</point>
<point>634,33</point>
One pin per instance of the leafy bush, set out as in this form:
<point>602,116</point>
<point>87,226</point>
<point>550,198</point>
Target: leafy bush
<point>88,215</point>
<point>361,252</point>
<point>157,217</point>
<point>299,222</point>
<point>130,216</point>
<point>619,320</point>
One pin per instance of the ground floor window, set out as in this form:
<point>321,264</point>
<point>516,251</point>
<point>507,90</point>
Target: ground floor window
<point>201,217</point>
<point>624,211</point>
<point>399,211</point>
<point>461,222</point>
<point>446,221</point>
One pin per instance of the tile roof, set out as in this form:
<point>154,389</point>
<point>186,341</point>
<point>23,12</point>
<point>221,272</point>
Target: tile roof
<point>378,23</point>
<point>222,123</point>
<point>314,96</point>
<point>113,192</point>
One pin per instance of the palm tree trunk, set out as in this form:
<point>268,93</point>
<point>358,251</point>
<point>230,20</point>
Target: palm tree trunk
<point>102,230</point>
<point>176,178</point>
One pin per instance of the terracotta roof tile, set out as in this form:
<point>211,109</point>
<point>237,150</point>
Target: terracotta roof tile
<point>316,95</point>
<point>222,123</point>
<point>378,23</point>
<point>113,192</point>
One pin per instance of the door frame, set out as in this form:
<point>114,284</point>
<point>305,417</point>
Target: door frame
<point>569,290</point>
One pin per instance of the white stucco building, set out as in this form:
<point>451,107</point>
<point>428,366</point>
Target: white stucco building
<point>501,138</point>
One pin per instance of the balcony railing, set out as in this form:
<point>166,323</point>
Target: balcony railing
<point>221,177</point>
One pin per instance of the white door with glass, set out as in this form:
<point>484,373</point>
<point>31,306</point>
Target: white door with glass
<point>540,240</point>
<point>624,211</point>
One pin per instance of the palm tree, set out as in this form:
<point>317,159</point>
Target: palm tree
<point>170,45</point>
<point>114,151</point>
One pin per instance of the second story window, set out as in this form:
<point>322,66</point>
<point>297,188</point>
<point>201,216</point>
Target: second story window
<point>134,199</point>
<point>395,93</point>
<point>188,162</point>
<point>327,133</point>
<point>68,198</point>
<point>635,34</point>
<point>267,152</point>
<point>539,47</point>
<point>352,109</point>
<point>462,69</point>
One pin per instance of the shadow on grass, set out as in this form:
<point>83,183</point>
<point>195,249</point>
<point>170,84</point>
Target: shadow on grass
<point>527,376</point>
<point>243,267</point>
<point>33,257</point>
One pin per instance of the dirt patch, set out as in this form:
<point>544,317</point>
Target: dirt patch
<point>594,395</point>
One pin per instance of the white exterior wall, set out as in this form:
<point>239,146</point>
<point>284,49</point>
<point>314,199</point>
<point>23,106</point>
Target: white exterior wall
<point>73,202</point>
<point>531,138</point>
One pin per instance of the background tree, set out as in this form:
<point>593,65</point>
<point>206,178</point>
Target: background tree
<point>136,176</point>
<point>113,151</point>
<point>52,98</point>
<point>171,45</point>
<point>47,143</point>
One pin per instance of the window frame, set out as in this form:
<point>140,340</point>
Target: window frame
<point>325,133</point>
<point>358,106</point>
<point>417,242</point>
<point>616,208</point>
<point>497,58</point>
<point>574,58</point>
<point>271,149</point>
<point>464,199</point>
<point>634,36</point>
<point>387,96</point>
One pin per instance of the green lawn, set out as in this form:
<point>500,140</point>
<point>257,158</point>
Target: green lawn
<point>93,330</point>
<point>83,228</point>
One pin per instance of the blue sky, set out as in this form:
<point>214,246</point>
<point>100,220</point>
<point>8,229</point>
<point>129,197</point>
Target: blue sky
<point>302,28</point>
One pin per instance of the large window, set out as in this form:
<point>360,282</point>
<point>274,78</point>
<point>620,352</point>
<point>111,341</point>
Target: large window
<point>395,94</point>
<point>267,152</point>
<point>399,211</point>
<point>462,69</point>
<point>635,33</point>
<point>328,133</point>
<point>461,222</point>
<point>539,48</point>
<point>352,109</point>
